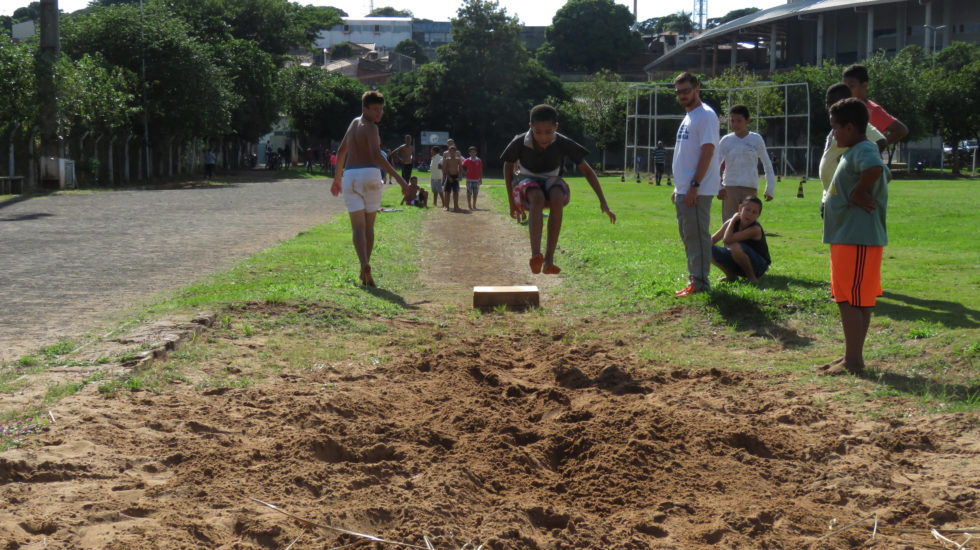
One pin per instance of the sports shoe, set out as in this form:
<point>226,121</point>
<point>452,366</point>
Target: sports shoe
<point>686,291</point>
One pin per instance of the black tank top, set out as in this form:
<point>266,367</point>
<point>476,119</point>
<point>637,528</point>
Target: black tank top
<point>760,246</point>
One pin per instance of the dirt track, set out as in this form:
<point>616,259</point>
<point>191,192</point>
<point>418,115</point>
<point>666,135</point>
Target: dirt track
<point>505,433</point>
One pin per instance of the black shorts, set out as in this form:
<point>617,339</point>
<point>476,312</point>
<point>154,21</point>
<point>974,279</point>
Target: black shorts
<point>407,172</point>
<point>452,184</point>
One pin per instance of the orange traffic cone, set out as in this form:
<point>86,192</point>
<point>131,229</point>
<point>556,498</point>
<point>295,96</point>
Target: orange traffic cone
<point>651,179</point>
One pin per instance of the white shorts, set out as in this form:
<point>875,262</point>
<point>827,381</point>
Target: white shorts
<point>362,188</point>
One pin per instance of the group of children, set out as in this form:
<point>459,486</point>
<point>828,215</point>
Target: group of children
<point>853,207</point>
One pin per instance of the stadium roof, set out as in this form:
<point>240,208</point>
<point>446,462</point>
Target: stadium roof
<point>751,23</point>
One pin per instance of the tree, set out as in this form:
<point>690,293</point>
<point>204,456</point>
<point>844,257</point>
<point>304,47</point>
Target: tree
<point>588,35</point>
<point>896,83</point>
<point>951,100</point>
<point>818,78</point>
<point>679,22</point>
<point>730,16</point>
<point>187,93</point>
<point>389,11</point>
<point>320,104</point>
<point>412,49</point>
<point>31,12</point>
<point>501,80</point>
<point>603,110</point>
<point>648,27</point>
<point>760,100</point>
<point>341,50</point>
<point>18,103</point>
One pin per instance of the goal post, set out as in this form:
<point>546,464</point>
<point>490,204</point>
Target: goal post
<point>780,113</point>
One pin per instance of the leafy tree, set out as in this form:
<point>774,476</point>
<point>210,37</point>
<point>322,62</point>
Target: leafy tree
<point>951,100</point>
<point>896,83</point>
<point>502,81</point>
<point>320,104</point>
<point>389,11</point>
<point>6,24</point>
<point>588,35</point>
<point>730,16</point>
<point>679,22</point>
<point>341,50</point>
<point>412,49</point>
<point>186,93</point>
<point>818,78</point>
<point>97,99</point>
<point>603,109</point>
<point>28,13</point>
<point>647,27</point>
<point>18,103</point>
<point>254,74</point>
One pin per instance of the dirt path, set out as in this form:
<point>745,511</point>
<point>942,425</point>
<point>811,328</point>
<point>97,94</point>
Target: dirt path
<point>482,248</point>
<point>494,430</point>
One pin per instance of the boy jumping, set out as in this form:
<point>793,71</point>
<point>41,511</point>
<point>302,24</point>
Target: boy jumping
<point>358,160</point>
<point>854,227</point>
<point>537,156</point>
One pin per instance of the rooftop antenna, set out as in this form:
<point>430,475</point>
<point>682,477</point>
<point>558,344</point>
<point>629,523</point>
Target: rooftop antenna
<point>700,13</point>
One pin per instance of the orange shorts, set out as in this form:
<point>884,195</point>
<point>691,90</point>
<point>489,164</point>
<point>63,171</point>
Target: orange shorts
<point>855,273</point>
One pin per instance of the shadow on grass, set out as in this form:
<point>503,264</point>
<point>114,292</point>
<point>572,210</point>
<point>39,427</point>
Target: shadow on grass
<point>910,308</point>
<point>782,282</point>
<point>922,386</point>
<point>15,199</point>
<point>389,296</point>
<point>27,217</point>
<point>748,314</point>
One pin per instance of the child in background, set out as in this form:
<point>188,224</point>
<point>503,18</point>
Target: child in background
<point>741,151</point>
<point>474,177</point>
<point>436,176</point>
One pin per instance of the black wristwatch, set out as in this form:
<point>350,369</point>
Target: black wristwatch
<point>694,183</point>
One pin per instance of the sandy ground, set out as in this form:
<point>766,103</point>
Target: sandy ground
<point>513,439</point>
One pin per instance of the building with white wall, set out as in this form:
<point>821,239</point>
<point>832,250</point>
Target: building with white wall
<point>384,32</point>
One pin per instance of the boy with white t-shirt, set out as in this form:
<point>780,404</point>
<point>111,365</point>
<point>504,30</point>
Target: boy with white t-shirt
<point>740,153</point>
<point>435,174</point>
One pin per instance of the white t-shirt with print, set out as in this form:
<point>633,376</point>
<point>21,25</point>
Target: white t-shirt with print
<point>699,127</point>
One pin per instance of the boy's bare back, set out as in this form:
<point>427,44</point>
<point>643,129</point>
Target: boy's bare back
<point>363,141</point>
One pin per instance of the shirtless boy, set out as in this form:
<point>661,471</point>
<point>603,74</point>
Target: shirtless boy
<point>358,161</point>
<point>452,167</point>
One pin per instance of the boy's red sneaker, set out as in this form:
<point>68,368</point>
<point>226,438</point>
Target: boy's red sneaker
<point>687,291</point>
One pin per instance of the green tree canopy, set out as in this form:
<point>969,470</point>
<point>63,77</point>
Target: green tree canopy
<point>18,104</point>
<point>97,98</point>
<point>730,16</point>
<point>341,50</point>
<point>389,11</point>
<point>588,35</point>
<point>952,103</point>
<point>320,104</point>
<point>412,49</point>
<point>29,12</point>
<point>679,22</point>
<point>603,109</point>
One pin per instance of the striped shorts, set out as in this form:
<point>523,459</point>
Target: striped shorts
<point>855,273</point>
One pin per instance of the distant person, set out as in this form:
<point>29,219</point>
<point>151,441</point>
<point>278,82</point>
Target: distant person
<point>474,177</point>
<point>740,153</point>
<point>358,161</point>
<point>452,167</point>
<point>333,163</point>
<point>745,252</point>
<point>856,78</point>
<point>436,177</point>
<point>832,151</point>
<point>854,227</point>
<point>404,154</point>
<point>310,157</point>
<point>696,169</point>
<point>659,160</point>
<point>537,157</point>
<point>210,159</point>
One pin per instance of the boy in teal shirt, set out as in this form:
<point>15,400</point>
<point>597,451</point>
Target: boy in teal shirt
<point>854,227</point>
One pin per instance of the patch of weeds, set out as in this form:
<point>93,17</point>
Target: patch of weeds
<point>28,361</point>
<point>973,350</point>
<point>63,347</point>
<point>248,330</point>
<point>15,434</point>
<point>60,391</point>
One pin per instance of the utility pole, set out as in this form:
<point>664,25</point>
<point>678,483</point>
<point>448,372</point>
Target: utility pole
<point>48,95</point>
<point>700,13</point>
<point>146,116</point>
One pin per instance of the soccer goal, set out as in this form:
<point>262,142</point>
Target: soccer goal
<point>779,112</point>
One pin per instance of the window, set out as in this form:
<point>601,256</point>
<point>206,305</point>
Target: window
<point>377,29</point>
<point>347,29</point>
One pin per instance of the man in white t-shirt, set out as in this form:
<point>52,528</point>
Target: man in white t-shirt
<point>696,170</point>
<point>740,153</point>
